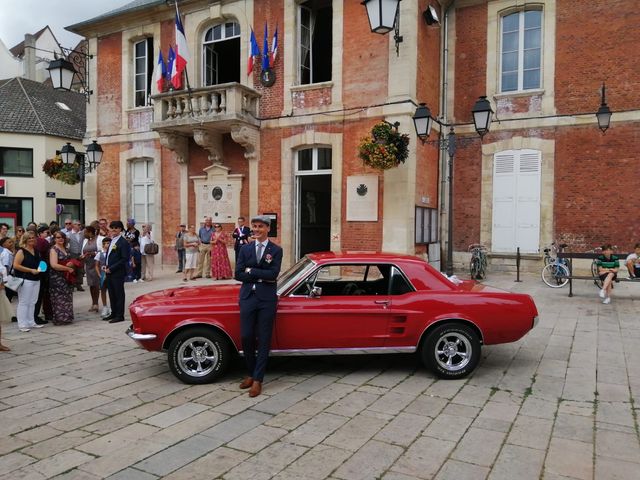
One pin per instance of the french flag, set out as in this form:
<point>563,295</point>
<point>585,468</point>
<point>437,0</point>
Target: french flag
<point>265,52</point>
<point>161,73</point>
<point>254,51</point>
<point>182,53</point>
<point>274,46</point>
<point>171,59</point>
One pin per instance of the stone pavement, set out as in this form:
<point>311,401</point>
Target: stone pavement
<point>84,402</point>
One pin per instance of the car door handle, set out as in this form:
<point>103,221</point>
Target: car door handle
<point>382,302</point>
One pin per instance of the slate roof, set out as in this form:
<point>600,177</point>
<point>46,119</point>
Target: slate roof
<point>129,7</point>
<point>30,107</point>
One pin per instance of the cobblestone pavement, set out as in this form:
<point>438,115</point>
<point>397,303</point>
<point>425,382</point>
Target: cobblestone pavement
<point>83,402</point>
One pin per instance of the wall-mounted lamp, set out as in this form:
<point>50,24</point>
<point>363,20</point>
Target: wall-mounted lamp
<point>604,112</point>
<point>431,16</point>
<point>384,16</point>
<point>63,70</point>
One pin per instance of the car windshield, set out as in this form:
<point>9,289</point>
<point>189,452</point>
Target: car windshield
<point>286,279</point>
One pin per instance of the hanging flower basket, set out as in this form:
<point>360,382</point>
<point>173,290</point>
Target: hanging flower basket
<point>386,147</point>
<point>56,169</point>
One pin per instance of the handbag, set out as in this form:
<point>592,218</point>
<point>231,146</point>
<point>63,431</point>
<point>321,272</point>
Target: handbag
<point>151,248</point>
<point>13,283</point>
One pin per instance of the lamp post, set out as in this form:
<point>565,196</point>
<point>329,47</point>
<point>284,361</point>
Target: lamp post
<point>87,162</point>
<point>423,121</point>
<point>603,114</point>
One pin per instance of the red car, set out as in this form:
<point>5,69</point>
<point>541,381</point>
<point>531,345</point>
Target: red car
<point>332,303</point>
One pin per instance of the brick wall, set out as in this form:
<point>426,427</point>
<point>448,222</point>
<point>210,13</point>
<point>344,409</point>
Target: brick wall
<point>109,87</point>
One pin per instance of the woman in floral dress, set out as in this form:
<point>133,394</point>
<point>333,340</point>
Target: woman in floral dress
<point>220,265</point>
<point>60,291</point>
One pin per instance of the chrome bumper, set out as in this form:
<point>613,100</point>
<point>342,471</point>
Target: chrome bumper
<point>536,320</point>
<point>140,336</point>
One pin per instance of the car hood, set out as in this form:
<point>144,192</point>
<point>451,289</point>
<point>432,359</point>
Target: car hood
<point>213,294</point>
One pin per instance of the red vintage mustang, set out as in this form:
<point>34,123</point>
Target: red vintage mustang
<point>344,303</point>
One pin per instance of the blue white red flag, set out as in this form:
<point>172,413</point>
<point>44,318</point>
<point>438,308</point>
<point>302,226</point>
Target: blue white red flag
<point>171,60</point>
<point>254,51</point>
<point>265,49</point>
<point>161,73</point>
<point>274,46</point>
<point>182,53</point>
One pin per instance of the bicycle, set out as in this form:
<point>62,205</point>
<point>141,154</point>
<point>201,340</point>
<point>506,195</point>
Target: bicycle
<point>478,264</point>
<point>550,254</point>
<point>556,274</point>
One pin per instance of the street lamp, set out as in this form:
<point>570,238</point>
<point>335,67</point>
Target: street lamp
<point>604,112</point>
<point>87,162</point>
<point>423,121</point>
<point>384,16</point>
<point>76,64</point>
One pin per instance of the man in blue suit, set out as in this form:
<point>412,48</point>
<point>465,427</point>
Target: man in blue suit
<point>258,267</point>
<point>118,256</point>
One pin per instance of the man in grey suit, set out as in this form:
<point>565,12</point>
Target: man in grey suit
<point>258,267</point>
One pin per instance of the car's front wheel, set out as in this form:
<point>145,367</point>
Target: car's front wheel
<point>451,351</point>
<point>198,355</point>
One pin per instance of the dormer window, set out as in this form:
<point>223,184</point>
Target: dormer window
<point>221,54</point>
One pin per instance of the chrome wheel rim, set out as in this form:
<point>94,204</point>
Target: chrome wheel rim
<point>453,351</point>
<point>198,356</point>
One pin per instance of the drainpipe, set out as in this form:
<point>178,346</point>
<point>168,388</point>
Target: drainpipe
<point>444,115</point>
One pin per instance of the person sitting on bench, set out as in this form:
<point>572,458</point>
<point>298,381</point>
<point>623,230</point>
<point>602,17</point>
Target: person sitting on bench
<point>633,263</point>
<point>608,265</point>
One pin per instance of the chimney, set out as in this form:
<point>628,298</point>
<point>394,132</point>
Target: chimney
<point>29,58</point>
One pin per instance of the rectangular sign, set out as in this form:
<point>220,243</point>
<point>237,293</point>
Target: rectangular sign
<point>51,194</point>
<point>362,198</point>
<point>3,186</point>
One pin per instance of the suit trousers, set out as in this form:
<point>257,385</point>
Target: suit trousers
<point>256,320</point>
<point>115,287</point>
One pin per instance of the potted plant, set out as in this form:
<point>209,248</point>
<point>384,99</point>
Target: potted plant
<point>385,148</point>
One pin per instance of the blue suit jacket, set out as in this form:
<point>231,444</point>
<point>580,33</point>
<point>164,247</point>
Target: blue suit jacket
<point>263,274</point>
<point>119,257</point>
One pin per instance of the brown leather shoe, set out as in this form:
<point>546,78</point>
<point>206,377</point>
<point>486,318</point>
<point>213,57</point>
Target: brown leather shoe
<point>256,389</point>
<point>246,383</point>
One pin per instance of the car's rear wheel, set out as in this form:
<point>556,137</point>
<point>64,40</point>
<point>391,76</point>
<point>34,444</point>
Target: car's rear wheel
<point>451,351</point>
<point>198,355</point>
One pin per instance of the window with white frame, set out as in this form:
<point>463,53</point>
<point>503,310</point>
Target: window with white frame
<point>315,38</point>
<point>143,190</point>
<point>521,51</point>
<point>221,54</point>
<point>142,71</point>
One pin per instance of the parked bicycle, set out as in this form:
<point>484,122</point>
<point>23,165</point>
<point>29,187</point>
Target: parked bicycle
<point>550,254</point>
<point>478,264</point>
<point>556,273</point>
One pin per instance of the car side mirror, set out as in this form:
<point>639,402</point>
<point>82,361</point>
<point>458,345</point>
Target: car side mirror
<point>316,292</point>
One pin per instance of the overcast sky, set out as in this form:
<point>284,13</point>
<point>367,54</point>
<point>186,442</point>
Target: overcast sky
<point>28,16</point>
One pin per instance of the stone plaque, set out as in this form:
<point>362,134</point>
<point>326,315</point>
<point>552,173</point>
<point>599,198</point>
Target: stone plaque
<point>362,198</point>
<point>218,195</point>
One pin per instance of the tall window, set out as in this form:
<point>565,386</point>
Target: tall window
<point>142,71</point>
<point>143,191</point>
<point>221,54</point>
<point>315,38</point>
<point>521,51</point>
<point>16,162</point>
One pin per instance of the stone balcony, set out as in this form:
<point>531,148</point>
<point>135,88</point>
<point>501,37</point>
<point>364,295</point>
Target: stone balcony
<point>217,109</point>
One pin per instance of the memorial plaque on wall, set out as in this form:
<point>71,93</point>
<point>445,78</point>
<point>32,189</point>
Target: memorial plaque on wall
<point>362,198</point>
<point>218,195</point>
<point>217,200</point>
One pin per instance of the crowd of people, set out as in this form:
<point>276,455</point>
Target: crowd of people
<point>42,265</point>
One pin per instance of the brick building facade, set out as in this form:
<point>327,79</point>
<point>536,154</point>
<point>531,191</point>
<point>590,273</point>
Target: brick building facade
<point>291,149</point>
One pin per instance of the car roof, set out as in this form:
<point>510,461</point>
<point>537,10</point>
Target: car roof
<point>363,256</point>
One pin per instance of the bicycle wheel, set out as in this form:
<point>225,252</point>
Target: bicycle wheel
<point>596,278</point>
<point>482,268</point>
<point>474,267</point>
<point>555,275</point>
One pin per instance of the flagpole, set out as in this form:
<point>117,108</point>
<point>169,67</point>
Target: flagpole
<point>186,74</point>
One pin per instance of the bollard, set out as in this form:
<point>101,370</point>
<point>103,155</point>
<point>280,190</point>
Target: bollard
<point>518,265</point>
